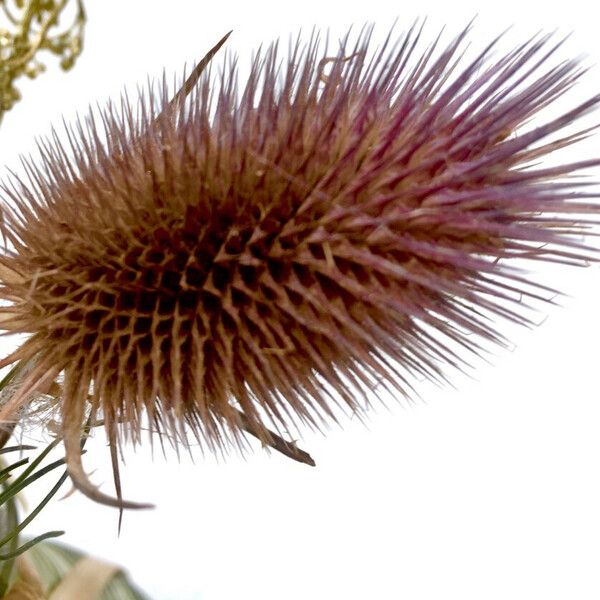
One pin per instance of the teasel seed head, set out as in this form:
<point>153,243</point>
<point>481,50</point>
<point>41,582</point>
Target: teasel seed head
<point>233,261</point>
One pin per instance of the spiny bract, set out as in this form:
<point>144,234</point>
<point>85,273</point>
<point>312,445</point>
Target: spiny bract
<point>237,261</point>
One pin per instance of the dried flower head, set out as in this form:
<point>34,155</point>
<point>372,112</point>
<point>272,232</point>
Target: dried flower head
<point>228,262</point>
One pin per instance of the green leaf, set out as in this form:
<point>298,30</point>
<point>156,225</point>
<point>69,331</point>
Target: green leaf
<point>16,448</point>
<point>6,571</point>
<point>13,554</point>
<point>5,473</point>
<point>10,375</point>
<point>22,482</point>
<point>35,512</point>
<point>53,561</point>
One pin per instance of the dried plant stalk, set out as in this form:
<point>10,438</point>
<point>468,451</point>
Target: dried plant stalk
<point>31,29</point>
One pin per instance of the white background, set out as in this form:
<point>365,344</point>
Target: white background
<point>490,490</point>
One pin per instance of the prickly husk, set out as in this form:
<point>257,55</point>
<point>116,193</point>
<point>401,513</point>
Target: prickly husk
<point>337,230</point>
